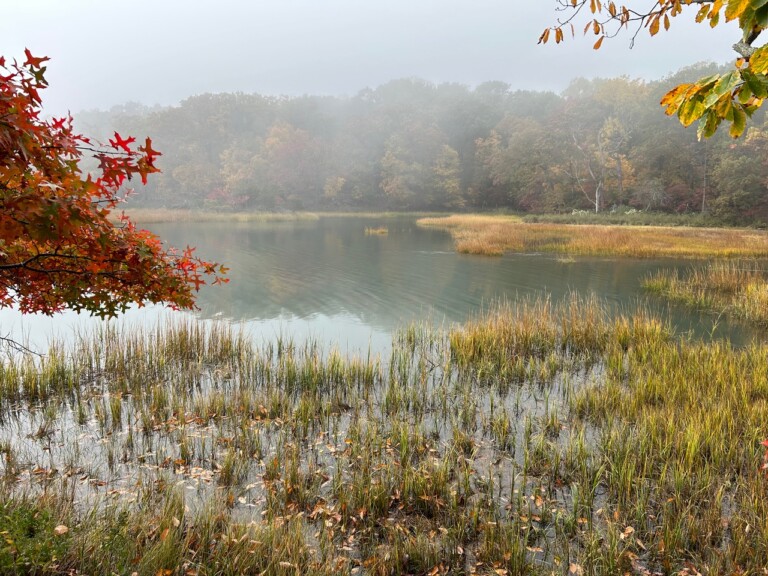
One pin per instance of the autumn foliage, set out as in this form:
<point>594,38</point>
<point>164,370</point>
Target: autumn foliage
<point>59,244</point>
<point>729,98</point>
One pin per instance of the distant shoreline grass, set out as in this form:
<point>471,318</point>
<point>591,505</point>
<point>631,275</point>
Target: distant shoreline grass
<point>163,215</point>
<point>494,235</point>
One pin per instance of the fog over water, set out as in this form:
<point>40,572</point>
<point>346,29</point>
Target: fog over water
<point>107,53</point>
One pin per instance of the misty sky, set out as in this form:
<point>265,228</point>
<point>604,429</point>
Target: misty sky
<point>106,52</point>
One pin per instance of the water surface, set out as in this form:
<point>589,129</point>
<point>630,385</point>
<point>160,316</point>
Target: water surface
<point>330,281</point>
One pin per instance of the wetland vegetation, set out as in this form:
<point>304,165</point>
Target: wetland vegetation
<point>497,234</point>
<point>738,288</point>
<point>537,438</point>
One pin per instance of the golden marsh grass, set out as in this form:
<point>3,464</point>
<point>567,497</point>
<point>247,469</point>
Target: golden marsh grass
<point>494,235</point>
<point>738,288</point>
<point>538,437</point>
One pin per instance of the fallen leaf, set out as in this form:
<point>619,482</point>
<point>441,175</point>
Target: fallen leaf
<point>60,530</point>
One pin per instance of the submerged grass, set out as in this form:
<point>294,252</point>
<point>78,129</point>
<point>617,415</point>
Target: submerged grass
<point>494,235</point>
<point>737,288</point>
<point>537,438</point>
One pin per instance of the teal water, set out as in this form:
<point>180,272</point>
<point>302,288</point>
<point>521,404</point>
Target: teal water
<point>327,280</point>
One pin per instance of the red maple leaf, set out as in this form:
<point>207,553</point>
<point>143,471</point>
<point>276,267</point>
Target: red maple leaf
<point>32,60</point>
<point>149,152</point>
<point>119,142</point>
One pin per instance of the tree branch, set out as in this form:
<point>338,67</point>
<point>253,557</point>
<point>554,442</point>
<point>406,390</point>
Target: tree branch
<point>13,346</point>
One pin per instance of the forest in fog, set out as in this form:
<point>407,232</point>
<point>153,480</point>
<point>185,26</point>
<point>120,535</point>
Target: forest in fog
<point>600,145</point>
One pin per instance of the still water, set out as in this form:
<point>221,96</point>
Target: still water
<point>329,281</point>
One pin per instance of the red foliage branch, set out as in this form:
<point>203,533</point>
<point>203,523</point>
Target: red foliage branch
<point>59,247</point>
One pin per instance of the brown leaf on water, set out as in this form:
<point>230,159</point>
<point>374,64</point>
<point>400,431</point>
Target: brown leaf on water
<point>628,531</point>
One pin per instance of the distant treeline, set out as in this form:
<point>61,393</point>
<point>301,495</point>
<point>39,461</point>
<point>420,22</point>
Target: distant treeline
<point>601,145</point>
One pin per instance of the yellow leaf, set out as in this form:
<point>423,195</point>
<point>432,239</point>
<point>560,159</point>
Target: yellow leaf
<point>654,29</point>
<point>672,98</point>
<point>758,62</point>
<point>739,122</point>
<point>690,110</point>
<point>735,8</point>
<point>544,36</point>
<point>60,530</point>
<point>612,9</point>
<point>702,13</point>
<point>596,27</point>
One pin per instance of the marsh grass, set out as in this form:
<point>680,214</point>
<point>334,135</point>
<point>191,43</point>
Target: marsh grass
<point>737,288</point>
<point>495,235</point>
<point>537,437</point>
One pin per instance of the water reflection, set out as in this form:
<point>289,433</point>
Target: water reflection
<point>330,281</point>
<point>329,273</point>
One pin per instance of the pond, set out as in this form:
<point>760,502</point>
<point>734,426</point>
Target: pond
<point>502,445</point>
<point>330,281</point>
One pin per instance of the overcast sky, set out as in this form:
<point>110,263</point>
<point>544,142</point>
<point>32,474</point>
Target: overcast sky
<point>106,52</point>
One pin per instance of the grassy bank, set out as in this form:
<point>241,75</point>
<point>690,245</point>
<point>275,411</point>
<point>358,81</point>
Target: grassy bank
<point>162,215</point>
<point>626,217</point>
<point>737,288</point>
<point>535,439</point>
<point>494,235</point>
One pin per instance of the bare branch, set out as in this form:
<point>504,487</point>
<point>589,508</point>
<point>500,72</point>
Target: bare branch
<point>13,346</point>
